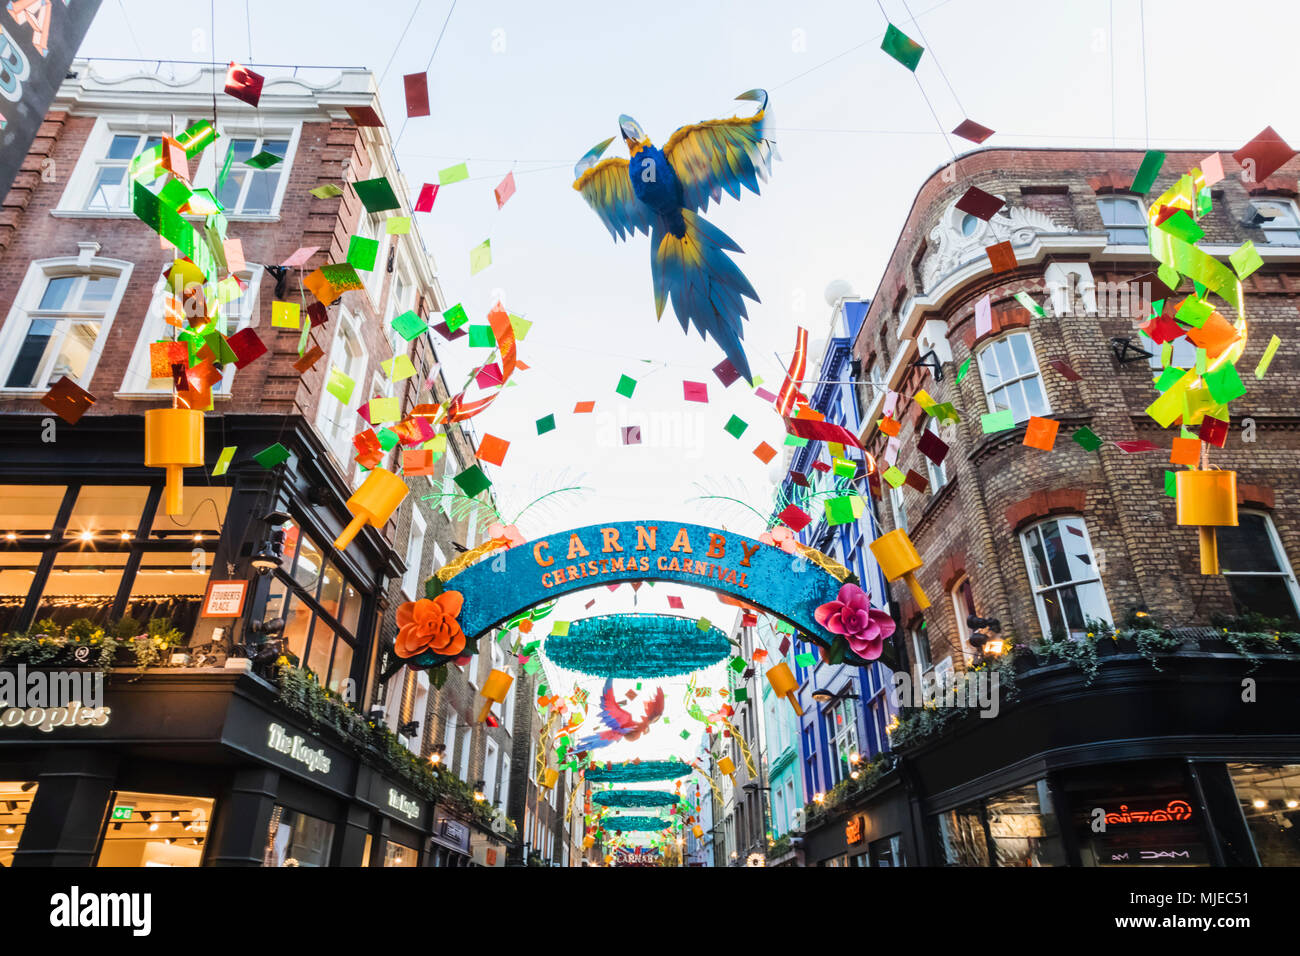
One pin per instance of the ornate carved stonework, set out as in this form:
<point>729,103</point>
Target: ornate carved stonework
<point>949,247</point>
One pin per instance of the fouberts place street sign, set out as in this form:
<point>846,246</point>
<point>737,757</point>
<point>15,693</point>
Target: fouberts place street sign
<point>790,586</point>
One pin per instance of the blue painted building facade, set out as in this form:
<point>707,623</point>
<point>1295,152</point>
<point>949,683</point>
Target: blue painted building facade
<point>855,719</point>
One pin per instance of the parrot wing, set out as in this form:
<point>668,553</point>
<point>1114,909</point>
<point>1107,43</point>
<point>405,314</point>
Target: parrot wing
<point>614,715</point>
<point>607,189</point>
<point>719,155</point>
<point>654,708</point>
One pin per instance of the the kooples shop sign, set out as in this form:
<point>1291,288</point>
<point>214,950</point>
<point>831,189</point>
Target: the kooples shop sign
<point>38,39</point>
<point>46,699</point>
<point>297,748</point>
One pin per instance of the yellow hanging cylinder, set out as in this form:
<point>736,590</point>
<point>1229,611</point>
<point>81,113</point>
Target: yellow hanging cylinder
<point>551,778</point>
<point>784,684</point>
<point>698,831</point>
<point>173,439</point>
<point>373,503</point>
<point>495,689</point>
<point>728,766</point>
<point>898,558</point>
<point>1207,499</point>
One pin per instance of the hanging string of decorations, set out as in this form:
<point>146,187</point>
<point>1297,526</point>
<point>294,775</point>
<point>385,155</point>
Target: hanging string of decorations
<point>642,771</point>
<point>635,823</point>
<point>634,798</point>
<point>637,646</point>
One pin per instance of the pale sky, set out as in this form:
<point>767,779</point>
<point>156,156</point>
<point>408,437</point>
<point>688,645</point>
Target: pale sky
<point>529,87</point>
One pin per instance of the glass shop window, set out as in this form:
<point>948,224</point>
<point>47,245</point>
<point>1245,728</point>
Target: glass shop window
<point>959,836</point>
<point>1064,576</point>
<point>1151,818</point>
<point>884,852</point>
<point>154,829</point>
<point>1270,801</point>
<point>296,839</point>
<point>1023,827</point>
<point>64,330</point>
<point>16,798</point>
<point>320,609</point>
<point>395,854</point>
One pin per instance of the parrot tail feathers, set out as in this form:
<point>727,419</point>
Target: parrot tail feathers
<point>706,287</point>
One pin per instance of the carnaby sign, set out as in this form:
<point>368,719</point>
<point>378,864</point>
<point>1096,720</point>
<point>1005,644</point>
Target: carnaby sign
<point>789,586</point>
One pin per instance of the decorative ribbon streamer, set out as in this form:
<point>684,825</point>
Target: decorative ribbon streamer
<point>744,748</point>
<point>785,399</point>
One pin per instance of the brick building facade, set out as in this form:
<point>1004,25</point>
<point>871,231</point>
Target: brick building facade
<point>991,489</point>
<point>80,297</point>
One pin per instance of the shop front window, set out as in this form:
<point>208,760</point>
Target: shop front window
<point>320,609</point>
<point>1270,801</point>
<point>1150,816</point>
<point>885,852</point>
<point>395,854</point>
<point>296,839</point>
<point>960,837</point>
<point>154,829</point>
<point>114,556</point>
<point>1023,827</point>
<point>15,803</point>
<point>843,723</point>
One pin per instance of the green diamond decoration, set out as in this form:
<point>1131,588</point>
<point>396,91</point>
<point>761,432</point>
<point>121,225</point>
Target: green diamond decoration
<point>546,424</point>
<point>736,426</point>
<point>481,337</point>
<point>1087,439</point>
<point>263,160</point>
<point>362,253</point>
<point>626,386</point>
<point>376,195</point>
<point>409,325</point>
<point>268,458</point>
<point>961,372</point>
<point>1171,484</point>
<point>455,317</point>
<point>472,481</point>
<point>902,47</point>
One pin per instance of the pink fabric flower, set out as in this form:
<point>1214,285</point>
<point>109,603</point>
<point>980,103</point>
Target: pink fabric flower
<point>852,617</point>
<point>780,537</point>
<point>508,532</point>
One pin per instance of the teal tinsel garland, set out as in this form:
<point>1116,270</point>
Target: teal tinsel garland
<point>642,772</point>
<point>634,798</point>
<point>632,646</point>
<point>634,823</point>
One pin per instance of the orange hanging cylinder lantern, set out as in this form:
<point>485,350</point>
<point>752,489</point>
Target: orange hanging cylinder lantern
<point>1207,499</point>
<point>373,503</point>
<point>698,831</point>
<point>784,684</point>
<point>898,558</point>
<point>495,689</point>
<point>173,439</point>
<point>728,766</point>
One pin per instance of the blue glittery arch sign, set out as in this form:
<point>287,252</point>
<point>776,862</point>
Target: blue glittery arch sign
<point>504,583</point>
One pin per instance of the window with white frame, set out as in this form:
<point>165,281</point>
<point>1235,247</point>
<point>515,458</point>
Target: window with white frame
<point>414,554</point>
<point>401,298</point>
<point>372,227</point>
<point>503,793</point>
<point>842,721</point>
<point>1257,570</point>
<point>248,190</point>
<point>508,708</point>
<point>939,472</point>
<point>1279,221</point>
<point>336,421</point>
<point>1063,573</point>
<point>449,738</point>
<point>60,321</point>
<point>963,606</point>
<point>418,713</point>
<point>491,754</point>
<point>110,184</point>
<point>463,753</point>
<point>921,655</point>
<point>1124,218</point>
<point>238,313</point>
<point>1009,371</point>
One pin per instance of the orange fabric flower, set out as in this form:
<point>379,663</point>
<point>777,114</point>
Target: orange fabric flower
<point>427,625</point>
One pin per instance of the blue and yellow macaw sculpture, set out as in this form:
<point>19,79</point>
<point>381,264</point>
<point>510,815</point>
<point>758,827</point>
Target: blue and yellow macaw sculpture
<point>662,191</point>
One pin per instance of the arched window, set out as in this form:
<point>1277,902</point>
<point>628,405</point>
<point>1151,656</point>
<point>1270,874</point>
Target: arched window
<point>1124,218</point>
<point>60,321</point>
<point>1064,576</point>
<point>1009,372</point>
